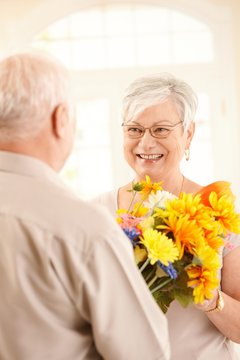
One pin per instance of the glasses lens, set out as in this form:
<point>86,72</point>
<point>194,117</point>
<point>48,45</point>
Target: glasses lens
<point>160,131</point>
<point>133,131</point>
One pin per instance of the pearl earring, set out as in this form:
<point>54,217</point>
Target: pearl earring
<point>187,154</point>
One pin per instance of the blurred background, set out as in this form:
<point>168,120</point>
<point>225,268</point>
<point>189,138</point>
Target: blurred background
<point>107,44</point>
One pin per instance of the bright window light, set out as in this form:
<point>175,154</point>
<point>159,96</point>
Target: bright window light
<point>128,35</point>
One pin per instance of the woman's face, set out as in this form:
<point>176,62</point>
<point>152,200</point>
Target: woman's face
<point>152,156</point>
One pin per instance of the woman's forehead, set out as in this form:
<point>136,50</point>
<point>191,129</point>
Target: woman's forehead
<point>159,113</point>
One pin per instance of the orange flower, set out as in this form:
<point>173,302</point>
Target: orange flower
<point>203,281</point>
<point>213,239</point>
<point>185,204</point>
<point>190,205</point>
<point>185,232</point>
<point>224,213</point>
<point>203,274</point>
<point>219,187</point>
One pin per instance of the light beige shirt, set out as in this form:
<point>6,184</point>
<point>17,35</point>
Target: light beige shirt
<point>192,335</point>
<point>69,286</point>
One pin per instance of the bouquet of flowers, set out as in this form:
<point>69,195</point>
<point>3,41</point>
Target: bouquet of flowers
<point>177,241</point>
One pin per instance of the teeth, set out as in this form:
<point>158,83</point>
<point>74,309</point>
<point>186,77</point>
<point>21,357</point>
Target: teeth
<point>150,157</point>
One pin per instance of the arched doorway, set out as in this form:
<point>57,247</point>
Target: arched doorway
<point>128,47</point>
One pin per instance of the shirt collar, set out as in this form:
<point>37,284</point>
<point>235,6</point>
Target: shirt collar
<point>28,166</point>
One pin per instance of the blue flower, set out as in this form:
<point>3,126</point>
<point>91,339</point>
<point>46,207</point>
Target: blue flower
<point>132,234</point>
<point>169,270</point>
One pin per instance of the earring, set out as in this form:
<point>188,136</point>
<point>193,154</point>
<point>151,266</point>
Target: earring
<point>187,154</point>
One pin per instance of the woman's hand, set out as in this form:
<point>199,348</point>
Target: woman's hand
<point>211,304</point>
<point>228,319</point>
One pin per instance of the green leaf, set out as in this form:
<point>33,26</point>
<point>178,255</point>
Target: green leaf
<point>159,272</point>
<point>137,186</point>
<point>149,270</point>
<point>163,299</point>
<point>183,296</point>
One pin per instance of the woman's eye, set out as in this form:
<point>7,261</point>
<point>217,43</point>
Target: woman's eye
<point>135,130</point>
<point>161,130</point>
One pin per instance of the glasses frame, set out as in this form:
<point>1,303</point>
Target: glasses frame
<point>150,130</point>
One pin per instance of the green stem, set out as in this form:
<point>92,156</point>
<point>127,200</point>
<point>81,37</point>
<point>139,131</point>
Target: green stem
<point>151,273</point>
<point>152,281</point>
<point>161,285</point>
<point>144,264</point>
<point>134,195</point>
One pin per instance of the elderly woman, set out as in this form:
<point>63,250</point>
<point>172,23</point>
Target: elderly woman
<point>158,127</point>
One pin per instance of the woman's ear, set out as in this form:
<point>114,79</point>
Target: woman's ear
<point>60,121</point>
<point>190,133</point>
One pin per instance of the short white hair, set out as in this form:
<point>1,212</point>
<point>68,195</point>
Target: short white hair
<point>31,87</point>
<point>151,90</point>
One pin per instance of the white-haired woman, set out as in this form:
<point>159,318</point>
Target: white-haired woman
<point>158,127</point>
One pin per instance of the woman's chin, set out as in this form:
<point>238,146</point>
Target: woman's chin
<point>153,173</point>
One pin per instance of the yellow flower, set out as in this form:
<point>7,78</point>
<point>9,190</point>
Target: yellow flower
<point>148,187</point>
<point>119,213</point>
<point>140,254</point>
<point>213,239</point>
<point>186,204</point>
<point>224,213</point>
<point>185,232</point>
<point>190,228</point>
<point>159,247</point>
<point>139,210</point>
<point>204,274</point>
<point>190,206</point>
<point>146,223</point>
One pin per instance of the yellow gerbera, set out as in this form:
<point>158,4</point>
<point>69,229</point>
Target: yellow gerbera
<point>208,256</point>
<point>190,206</point>
<point>203,282</point>
<point>159,247</point>
<point>213,239</point>
<point>186,204</point>
<point>186,233</point>
<point>204,274</point>
<point>224,213</point>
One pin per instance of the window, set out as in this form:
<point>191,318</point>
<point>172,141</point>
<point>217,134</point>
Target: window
<point>127,35</point>
<point>91,157</point>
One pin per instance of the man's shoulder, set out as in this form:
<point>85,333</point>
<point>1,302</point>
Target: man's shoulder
<point>51,206</point>
<point>69,211</point>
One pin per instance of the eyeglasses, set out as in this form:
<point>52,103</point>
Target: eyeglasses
<point>158,131</point>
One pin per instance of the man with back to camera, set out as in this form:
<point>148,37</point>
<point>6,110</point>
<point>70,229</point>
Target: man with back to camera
<point>69,286</point>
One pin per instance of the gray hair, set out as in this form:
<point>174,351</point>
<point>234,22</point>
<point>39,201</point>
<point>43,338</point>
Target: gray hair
<point>157,88</point>
<point>31,87</point>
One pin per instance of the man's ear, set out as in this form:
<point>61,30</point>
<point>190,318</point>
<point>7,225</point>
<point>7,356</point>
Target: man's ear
<point>60,121</point>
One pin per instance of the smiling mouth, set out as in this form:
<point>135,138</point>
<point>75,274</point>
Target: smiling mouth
<point>150,157</point>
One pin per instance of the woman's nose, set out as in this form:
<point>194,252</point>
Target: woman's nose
<point>147,139</point>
